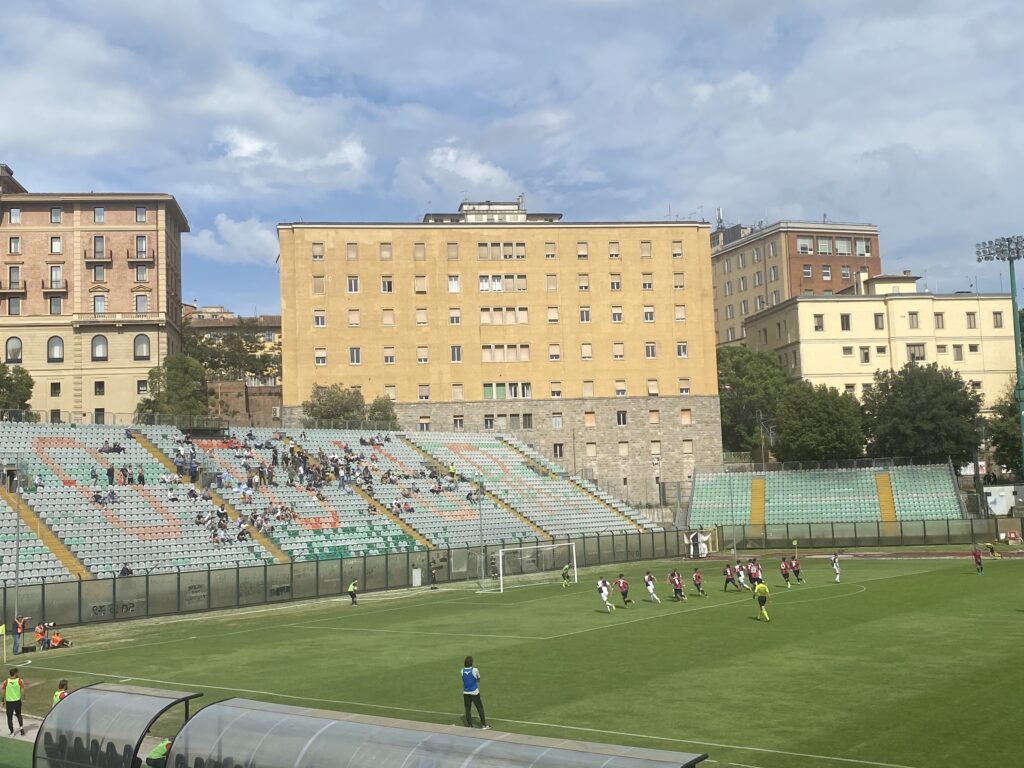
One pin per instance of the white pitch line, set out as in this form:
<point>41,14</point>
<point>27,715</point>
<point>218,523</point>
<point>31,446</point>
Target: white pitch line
<point>416,632</point>
<point>274,694</point>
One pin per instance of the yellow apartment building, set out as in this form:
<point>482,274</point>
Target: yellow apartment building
<point>883,322</point>
<point>759,267</point>
<point>592,341</point>
<point>90,295</point>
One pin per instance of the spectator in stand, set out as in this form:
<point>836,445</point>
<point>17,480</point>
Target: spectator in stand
<point>125,570</point>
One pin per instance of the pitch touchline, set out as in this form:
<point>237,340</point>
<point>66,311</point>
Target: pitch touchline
<point>274,694</point>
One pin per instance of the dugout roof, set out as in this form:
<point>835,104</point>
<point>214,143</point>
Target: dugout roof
<point>239,732</point>
<point>102,724</point>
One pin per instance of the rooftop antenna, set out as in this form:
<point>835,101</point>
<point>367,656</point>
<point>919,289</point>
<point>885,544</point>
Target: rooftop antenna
<point>719,218</point>
<point>824,218</point>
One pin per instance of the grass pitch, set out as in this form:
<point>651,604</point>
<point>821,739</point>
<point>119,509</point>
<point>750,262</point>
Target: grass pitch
<point>909,662</point>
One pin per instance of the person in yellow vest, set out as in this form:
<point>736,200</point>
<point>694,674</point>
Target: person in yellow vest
<point>761,594</point>
<point>13,688</point>
<point>60,693</point>
<point>157,757</point>
<point>353,589</point>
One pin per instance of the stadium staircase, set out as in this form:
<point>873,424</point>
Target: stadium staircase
<point>47,536</point>
<point>279,554</point>
<point>436,464</point>
<point>532,463</point>
<point>606,505</point>
<point>757,501</point>
<point>405,526</point>
<point>886,502</point>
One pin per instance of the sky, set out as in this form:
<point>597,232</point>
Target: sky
<point>903,113</point>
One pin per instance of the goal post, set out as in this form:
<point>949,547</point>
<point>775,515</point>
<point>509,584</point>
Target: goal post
<point>536,564</point>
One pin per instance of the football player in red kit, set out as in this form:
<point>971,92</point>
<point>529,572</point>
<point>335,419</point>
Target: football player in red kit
<point>698,582</point>
<point>730,578</point>
<point>794,568</point>
<point>676,580</point>
<point>623,586</point>
<point>784,570</point>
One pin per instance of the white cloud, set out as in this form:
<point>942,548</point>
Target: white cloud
<point>242,242</point>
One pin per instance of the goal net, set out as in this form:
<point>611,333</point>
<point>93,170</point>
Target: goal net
<point>534,564</point>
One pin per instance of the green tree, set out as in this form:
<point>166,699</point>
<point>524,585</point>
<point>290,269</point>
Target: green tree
<point>176,388</point>
<point>749,382</point>
<point>15,388</point>
<point>381,413</point>
<point>234,353</point>
<point>1004,432</point>
<point>817,424</point>
<point>921,411</point>
<point>335,403</point>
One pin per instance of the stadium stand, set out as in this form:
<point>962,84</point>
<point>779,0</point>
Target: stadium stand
<point>36,560</point>
<point>849,495</point>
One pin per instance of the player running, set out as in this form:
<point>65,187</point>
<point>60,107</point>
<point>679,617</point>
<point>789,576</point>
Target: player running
<point>623,586</point>
<point>649,580</point>
<point>754,571</point>
<point>979,566</point>
<point>730,578</point>
<point>698,582</point>
<point>794,568</point>
<point>676,580</point>
<point>784,570</point>
<point>602,590</point>
<point>835,566</point>
<point>741,575</point>
<point>565,575</point>
<point>761,594</point>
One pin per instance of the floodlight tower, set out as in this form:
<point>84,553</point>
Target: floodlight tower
<point>1010,249</point>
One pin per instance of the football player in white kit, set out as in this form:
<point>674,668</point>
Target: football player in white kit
<point>741,575</point>
<point>603,589</point>
<point>835,566</point>
<point>649,581</point>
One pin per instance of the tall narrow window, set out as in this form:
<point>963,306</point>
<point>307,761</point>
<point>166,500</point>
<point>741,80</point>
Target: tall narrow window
<point>55,350</point>
<point>141,347</point>
<point>99,348</point>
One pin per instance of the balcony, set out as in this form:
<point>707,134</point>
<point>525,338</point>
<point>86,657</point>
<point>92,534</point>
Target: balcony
<point>98,257</point>
<point>55,286</point>
<point>118,318</point>
<point>12,288</point>
<point>140,257</point>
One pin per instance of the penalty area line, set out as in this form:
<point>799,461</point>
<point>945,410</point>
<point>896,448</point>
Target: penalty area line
<point>390,708</point>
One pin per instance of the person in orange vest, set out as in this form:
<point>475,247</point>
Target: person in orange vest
<point>19,629</point>
<point>56,641</point>
<point>12,690</point>
<point>42,641</point>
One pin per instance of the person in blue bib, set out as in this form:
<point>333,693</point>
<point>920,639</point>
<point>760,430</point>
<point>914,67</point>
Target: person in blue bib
<point>471,693</point>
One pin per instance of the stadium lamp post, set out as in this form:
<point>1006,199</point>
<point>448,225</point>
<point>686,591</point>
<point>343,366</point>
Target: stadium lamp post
<point>480,518</point>
<point>1010,249</point>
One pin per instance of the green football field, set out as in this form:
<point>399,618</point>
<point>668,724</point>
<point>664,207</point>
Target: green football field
<point>908,662</point>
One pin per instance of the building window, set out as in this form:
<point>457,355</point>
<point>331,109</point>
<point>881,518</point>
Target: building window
<point>742,283</point>
<point>419,284</point>
<point>581,250</point>
<point>423,391</point>
<point>613,249</point>
<point>972,320</point>
<point>319,286</point>
<point>808,271</point>
<point>623,449</point>
<point>773,274</point>
<point>456,350</point>
<point>140,215</point>
<point>387,317</point>
<point>584,314</point>
<point>588,388</point>
<point>826,272</point>
<point>583,282</point>
<point>616,314</point>
<point>915,352</point>
<point>819,322</point>
<point>55,305</point>
<point>655,447</point>
<point>618,350</point>
<point>645,249</point>
<point>865,354</point>
<point>844,322</point>
<point>458,423</point>
<point>958,352</point>
<point>554,352</point>
<point>99,388</point>
<point>422,355</point>
<point>55,244</point>
<point>352,284</point>
<point>141,386</point>
<point>684,386</point>
<point>55,215</point>
<point>452,251</point>
<point>940,321</point>
<point>805,245</point>
<point>14,306</point>
<point>913,320</point>
<point>680,313</point>
<point>847,351</point>
<point>317,251</point>
<point>319,356</point>
<point>648,314</point>
<point>389,355</point>
<point>550,251</point>
<point>558,450</point>
<point>824,246</point>
<point>678,281</point>
<point>620,418</point>
<point>682,349</point>
<point>54,389</point>
<point>652,388</point>
<point>589,419</point>
<point>551,282</point>
<point>14,245</point>
<point>997,319</point>
<point>99,348</point>
<point>141,273</point>
<point>140,246</point>
<point>650,350</point>
<point>319,318</point>
<point>586,351</point>
<point>424,423</point>
<point>677,249</point>
<point>863,246</point>
<point>141,303</point>
<point>879,321</point>
<point>973,347</point>
<point>99,305</point>
<point>140,347</point>
<point>883,350</point>
<point>647,281</point>
<point>685,417</point>
<point>385,251</point>
<point>453,283</point>
<point>14,215</point>
<point>620,387</point>
<point>55,350</point>
<point>591,450</point>
<point>457,392</point>
<point>421,317</point>
<point>556,421</point>
<point>13,350</point>
<point>615,282</point>
<point>843,248</point>
<point>419,252</point>
<point>744,308</point>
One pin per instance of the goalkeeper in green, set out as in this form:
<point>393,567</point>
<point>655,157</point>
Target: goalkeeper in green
<point>565,575</point>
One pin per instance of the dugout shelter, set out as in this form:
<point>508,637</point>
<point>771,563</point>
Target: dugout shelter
<point>239,732</point>
<point>103,725</point>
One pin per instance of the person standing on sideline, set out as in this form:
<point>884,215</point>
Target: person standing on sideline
<point>13,688</point>
<point>60,694</point>
<point>649,580</point>
<point>471,693</point>
<point>784,570</point>
<point>979,566</point>
<point>565,575</point>
<point>835,566</point>
<point>353,589</point>
<point>761,594</point>
<point>794,567</point>
<point>19,630</point>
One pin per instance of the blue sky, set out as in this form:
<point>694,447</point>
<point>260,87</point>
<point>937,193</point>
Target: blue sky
<point>905,114</point>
